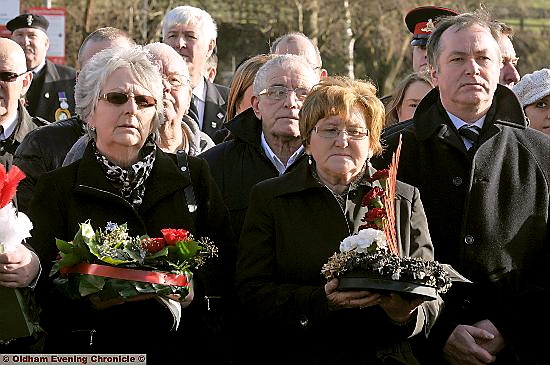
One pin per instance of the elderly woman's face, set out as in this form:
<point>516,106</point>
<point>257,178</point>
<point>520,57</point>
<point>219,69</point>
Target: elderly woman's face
<point>122,124</point>
<point>539,114</point>
<point>177,91</point>
<point>340,147</point>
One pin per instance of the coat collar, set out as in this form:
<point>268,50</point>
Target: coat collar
<point>430,116</point>
<point>247,126</point>
<point>164,180</point>
<point>25,123</point>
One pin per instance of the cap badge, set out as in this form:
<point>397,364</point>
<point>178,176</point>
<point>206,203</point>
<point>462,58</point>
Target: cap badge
<point>429,26</point>
<point>29,20</point>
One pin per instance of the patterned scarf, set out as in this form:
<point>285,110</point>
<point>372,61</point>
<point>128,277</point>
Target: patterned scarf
<point>130,181</point>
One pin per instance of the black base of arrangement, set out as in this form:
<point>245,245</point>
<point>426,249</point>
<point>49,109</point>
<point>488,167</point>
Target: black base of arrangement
<point>351,283</point>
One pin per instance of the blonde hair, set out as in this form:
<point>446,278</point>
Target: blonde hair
<point>340,95</point>
<point>398,94</point>
<point>242,79</point>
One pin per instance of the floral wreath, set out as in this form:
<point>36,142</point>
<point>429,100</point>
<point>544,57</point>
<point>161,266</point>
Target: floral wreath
<point>373,250</point>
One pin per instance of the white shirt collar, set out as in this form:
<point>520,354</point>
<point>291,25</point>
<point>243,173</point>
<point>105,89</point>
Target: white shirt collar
<point>200,90</point>
<point>279,165</point>
<point>38,68</point>
<point>9,127</point>
<point>459,122</point>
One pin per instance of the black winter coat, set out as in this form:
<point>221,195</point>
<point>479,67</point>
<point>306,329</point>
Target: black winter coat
<point>292,227</point>
<point>25,124</point>
<point>43,150</point>
<point>240,163</point>
<point>487,209</point>
<point>47,87</point>
<point>78,192</point>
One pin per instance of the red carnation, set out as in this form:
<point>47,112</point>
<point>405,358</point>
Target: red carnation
<point>153,245</point>
<point>172,236</point>
<point>375,192</point>
<point>375,213</point>
<point>8,183</point>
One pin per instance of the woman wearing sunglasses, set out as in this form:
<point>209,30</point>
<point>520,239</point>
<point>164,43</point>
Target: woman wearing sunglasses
<point>124,178</point>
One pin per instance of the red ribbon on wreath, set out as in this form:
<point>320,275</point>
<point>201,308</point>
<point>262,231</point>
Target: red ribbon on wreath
<point>153,277</point>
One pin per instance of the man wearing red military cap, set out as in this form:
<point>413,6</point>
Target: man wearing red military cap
<point>420,22</point>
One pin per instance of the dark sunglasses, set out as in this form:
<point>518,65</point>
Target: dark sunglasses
<point>118,98</point>
<point>7,76</point>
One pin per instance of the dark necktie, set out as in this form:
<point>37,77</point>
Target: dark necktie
<point>470,132</point>
<point>193,109</point>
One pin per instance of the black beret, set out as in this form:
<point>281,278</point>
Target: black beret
<point>420,22</point>
<point>28,21</point>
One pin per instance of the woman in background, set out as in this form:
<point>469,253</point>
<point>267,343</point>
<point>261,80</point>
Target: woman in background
<point>406,96</point>
<point>240,90</point>
<point>533,91</point>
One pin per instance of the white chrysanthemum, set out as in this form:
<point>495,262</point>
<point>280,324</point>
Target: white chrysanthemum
<point>14,227</point>
<point>364,239</point>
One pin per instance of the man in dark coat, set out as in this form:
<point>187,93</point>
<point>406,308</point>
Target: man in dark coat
<point>267,139</point>
<point>51,95</point>
<point>192,32</point>
<point>486,195</point>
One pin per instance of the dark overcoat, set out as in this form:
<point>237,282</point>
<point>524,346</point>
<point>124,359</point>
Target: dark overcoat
<point>292,227</point>
<point>487,210</point>
<point>70,195</point>
<point>24,125</point>
<point>43,150</point>
<point>238,164</point>
<point>43,96</point>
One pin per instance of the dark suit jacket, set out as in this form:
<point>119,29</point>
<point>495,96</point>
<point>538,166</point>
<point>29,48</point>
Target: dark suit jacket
<point>43,95</point>
<point>215,108</point>
<point>25,124</point>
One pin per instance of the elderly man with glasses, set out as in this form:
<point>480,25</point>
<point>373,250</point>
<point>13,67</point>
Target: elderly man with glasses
<point>266,138</point>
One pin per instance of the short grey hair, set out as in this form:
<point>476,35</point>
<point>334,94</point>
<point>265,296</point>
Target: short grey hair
<point>104,34</point>
<point>291,38</point>
<point>190,15</point>
<point>279,61</point>
<point>100,67</point>
<point>461,21</point>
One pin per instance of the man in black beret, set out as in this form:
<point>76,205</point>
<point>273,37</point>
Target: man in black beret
<point>51,95</point>
<point>420,22</point>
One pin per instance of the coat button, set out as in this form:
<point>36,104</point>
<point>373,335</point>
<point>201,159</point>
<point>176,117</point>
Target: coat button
<point>469,240</point>
<point>303,321</point>
<point>457,181</point>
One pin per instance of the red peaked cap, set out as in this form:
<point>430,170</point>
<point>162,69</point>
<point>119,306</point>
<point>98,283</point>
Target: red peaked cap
<point>418,18</point>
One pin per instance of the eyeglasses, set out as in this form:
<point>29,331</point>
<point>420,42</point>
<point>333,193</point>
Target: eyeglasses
<point>352,133</point>
<point>175,80</point>
<point>119,98</point>
<point>7,76</point>
<point>281,92</point>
